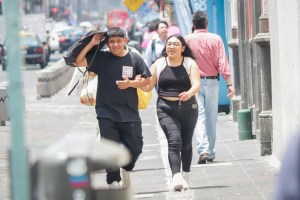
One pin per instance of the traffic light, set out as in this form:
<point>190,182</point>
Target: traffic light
<point>0,7</point>
<point>54,10</point>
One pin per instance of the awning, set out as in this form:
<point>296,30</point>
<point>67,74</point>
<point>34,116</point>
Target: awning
<point>150,17</point>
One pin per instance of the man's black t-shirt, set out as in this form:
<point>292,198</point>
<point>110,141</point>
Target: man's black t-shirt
<point>119,105</point>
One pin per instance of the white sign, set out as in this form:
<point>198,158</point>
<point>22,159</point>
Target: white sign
<point>127,72</point>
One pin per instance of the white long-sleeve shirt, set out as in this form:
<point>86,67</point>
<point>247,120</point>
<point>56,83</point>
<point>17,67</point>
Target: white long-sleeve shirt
<point>150,56</point>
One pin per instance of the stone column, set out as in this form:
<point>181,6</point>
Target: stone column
<point>256,71</point>
<point>265,136</point>
<point>242,53</point>
<point>234,44</point>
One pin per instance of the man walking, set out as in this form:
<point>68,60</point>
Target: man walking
<point>209,51</point>
<point>155,47</point>
<point>117,100</point>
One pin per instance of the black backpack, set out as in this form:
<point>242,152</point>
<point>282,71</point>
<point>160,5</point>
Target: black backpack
<point>78,46</point>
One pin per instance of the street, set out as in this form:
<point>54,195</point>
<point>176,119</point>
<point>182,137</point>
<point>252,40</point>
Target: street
<point>239,172</point>
<point>29,76</point>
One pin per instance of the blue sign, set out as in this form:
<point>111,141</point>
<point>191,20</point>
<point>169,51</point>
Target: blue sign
<point>184,16</point>
<point>141,12</point>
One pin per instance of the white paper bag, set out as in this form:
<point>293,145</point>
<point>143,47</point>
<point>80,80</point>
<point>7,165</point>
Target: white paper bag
<point>77,76</point>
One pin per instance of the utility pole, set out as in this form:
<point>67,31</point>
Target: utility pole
<point>47,9</point>
<point>19,170</point>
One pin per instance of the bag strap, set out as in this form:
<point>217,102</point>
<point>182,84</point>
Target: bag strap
<point>160,64</point>
<point>87,67</point>
<point>187,64</point>
<point>153,48</point>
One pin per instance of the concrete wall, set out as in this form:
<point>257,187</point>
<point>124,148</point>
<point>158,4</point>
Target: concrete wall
<point>284,33</point>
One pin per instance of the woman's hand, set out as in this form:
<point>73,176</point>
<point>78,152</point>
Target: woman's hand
<point>184,96</point>
<point>138,77</point>
<point>96,39</point>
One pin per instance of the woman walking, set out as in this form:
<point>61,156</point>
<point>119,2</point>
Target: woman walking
<point>178,79</point>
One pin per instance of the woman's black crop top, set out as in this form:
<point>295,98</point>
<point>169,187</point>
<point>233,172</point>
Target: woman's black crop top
<point>173,81</point>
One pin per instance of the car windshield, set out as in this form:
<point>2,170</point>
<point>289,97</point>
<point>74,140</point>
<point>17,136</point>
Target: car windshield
<point>58,33</point>
<point>77,31</point>
<point>29,40</point>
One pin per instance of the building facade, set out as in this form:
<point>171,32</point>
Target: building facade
<point>265,45</point>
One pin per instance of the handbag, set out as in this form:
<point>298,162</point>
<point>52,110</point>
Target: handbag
<point>89,91</point>
<point>144,98</point>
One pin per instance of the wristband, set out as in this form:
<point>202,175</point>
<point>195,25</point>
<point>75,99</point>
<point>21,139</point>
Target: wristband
<point>229,85</point>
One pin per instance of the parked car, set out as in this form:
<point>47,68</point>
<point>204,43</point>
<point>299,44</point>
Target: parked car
<point>33,50</point>
<point>69,37</point>
<point>54,37</point>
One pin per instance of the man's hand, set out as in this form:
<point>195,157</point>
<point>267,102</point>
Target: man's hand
<point>123,84</point>
<point>231,92</point>
<point>184,96</point>
<point>96,39</point>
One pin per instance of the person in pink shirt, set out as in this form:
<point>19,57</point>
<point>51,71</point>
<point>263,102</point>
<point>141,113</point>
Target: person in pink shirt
<point>211,58</point>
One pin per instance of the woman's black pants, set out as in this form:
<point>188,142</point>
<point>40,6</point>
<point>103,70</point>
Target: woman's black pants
<point>178,120</point>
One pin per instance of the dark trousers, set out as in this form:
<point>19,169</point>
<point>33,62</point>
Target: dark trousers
<point>178,120</point>
<point>130,134</point>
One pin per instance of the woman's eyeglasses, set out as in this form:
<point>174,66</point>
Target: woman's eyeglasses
<point>175,44</point>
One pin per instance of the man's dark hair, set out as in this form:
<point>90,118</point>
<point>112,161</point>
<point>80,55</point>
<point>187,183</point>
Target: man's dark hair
<point>200,20</point>
<point>115,32</point>
<point>160,22</point>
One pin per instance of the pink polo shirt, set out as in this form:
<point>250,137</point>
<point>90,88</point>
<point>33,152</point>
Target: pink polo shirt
<point>209,51</point>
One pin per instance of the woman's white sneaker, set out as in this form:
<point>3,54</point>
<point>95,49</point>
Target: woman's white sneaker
<point>125,178</point>
<point>114,185</point>
<point>177,182</point>
<point>186,178</point>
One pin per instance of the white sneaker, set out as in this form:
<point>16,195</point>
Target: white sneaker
<point>114,185</point>
<point>186,178</point>
<point>177,182</point>
<point>125,178</point>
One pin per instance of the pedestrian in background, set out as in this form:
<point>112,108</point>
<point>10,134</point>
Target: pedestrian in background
<point>288,185</point>
<point>154,50</point>
<point>211,58</point>
<point>117,100</point>
<point>178,79</point>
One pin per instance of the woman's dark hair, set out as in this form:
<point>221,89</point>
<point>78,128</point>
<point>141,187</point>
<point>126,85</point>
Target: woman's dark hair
<point>115,32</point>
<point>200,20</point>
<point>186,53</point>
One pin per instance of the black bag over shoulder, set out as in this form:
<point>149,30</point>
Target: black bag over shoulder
<point>78,46</point>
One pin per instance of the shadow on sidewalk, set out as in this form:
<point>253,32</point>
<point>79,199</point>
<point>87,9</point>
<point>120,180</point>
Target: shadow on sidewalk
<point>192,188</point>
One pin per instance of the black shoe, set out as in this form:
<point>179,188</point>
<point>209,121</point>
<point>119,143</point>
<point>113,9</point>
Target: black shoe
<point>202,159</point>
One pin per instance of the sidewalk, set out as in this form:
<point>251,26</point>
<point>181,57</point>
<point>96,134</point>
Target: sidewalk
<point>239,172</point>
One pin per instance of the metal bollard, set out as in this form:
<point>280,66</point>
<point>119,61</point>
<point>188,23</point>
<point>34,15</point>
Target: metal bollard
<point>63,172</point>
<point>244,124</point>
